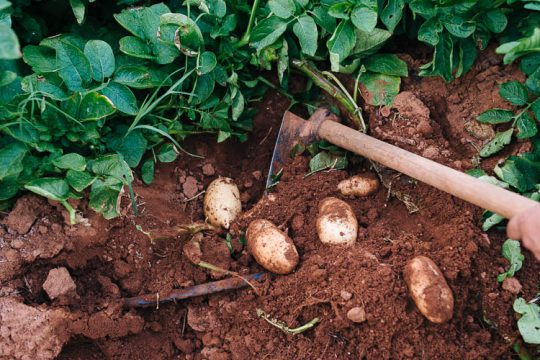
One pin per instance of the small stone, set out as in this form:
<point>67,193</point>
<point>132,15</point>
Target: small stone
<point>512,285</point>
<point>42,229</point>
<point>208,169</point>
<point>357,314</point>
<point>59,285</point>
<point>431,152</point>
<point>121,268</point>
<point>345,295</point>
<point>190,187</point>
<point>257,175</point>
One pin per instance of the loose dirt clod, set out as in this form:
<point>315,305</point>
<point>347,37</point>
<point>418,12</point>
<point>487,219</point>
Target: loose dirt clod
<point>512,285</point>
<point>60,286</point>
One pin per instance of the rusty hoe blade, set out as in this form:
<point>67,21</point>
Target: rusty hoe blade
<point>294,130</point>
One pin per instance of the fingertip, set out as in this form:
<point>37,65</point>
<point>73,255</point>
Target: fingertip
<point>512,229</point>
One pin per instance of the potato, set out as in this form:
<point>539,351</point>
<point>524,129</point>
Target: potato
<point>222,202</point>
<point>271,247</point>
<point>429,290</point>
<point>336,222</point>
<point>359,185</point>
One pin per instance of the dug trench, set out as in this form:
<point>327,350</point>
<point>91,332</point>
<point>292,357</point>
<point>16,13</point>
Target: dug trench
<point>109,260</point>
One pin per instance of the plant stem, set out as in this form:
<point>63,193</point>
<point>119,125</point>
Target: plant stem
<point>321,81</point>
<point>283,327</point>
<point>245,38</point>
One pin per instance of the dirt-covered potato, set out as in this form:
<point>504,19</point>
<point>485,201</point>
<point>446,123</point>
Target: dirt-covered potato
<point>222,202</point>
<point>271,247</point>
<point>359,185</point>
<point>336,222</point>
<point>429,290</point>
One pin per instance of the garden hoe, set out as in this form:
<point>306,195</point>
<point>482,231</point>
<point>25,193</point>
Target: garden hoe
<point>324,125</point>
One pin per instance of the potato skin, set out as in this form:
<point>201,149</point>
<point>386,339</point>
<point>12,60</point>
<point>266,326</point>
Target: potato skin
<point>222,202</point>
<point>359,185</point>
<point>271,247</point>
<point>336,222</point>
<point>429,289</point>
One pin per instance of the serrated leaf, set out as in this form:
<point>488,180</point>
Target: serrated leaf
<point>514,92</point>
<point>11,159</point>
<point>306,32</point>
<point>341,43</point>
<point>267,32</point>
<point>365,19</point>
<point>388,64</point>
<point>101,57</point>
<point>282,8</point>
<point>495,116</point>
<point>122,97</point>
<point>499,141</point>
<point>71,161</point>
<point>526,126</point>
<point>147,171</point>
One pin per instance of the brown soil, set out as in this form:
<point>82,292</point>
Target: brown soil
<point>115,259</point>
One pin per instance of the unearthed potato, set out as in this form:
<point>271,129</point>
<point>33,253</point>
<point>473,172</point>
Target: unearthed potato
<point>271,247</point>
<point>429,290</point>
<point>222,202</point>
<point>359,185</point>
<point>336,222</point>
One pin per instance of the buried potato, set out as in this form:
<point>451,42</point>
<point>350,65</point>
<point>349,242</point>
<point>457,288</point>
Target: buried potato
<point>222,202</point>
<point>429,290</point>
<point>271,247</point>
<point>359,185</point>
<point>336,222</point>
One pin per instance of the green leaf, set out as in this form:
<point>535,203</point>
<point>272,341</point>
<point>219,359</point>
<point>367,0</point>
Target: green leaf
<point>147,171</point>
<point>363,18</point>
<point>491,221</point>
<point>187,35</point>
<point>73,66</point>
<point>380,89</point>
<point>131,146</point>
<point>443,55</point>
<point>511,251</point>
<point>237,105</point>
<point>529,63</point>
<point>533,82</point>
<point>11,159</point>
<point>112,165</point>
<point>167,153</point>
<point>134,46</point>
<point>78,10</point>
<point>514,49</point>
<point>429,31</point>
<point>71,161</point>
<point>101,57</point>
<point>105,197</point>
<point>495,20</point>
<point>325,21</point>
<point>207,63</point>
<point>282,8</point>
<point>306,32</point>
<point>8,188</point>
<point>459,27</point>
<point>9,44</point>
<point>122,97</point>
<point>535,108</point>
<point>510,174</point>
<point>529,323</point>
<point>95,106</point>
<point>42,59</point>
<point>51,188</point>
<point>514,92</point>
<point>325,160</point>
<point>499,141</point>
<point>392,13</point>
<point>140,77</point>
<point>7,77</point>
<point>47,85</point>
<point>79,180</point>
<point>267,32</point>
<point>526,126</point>
<point>495,116</point>
<point>4,4</point>
<point>341,43</point>
<point>369,42</point>
<point>388,64</point>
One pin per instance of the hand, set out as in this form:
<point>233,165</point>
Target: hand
<point>526,227</point>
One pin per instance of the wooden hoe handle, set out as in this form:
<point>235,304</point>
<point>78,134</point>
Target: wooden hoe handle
<point>461,185</point>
